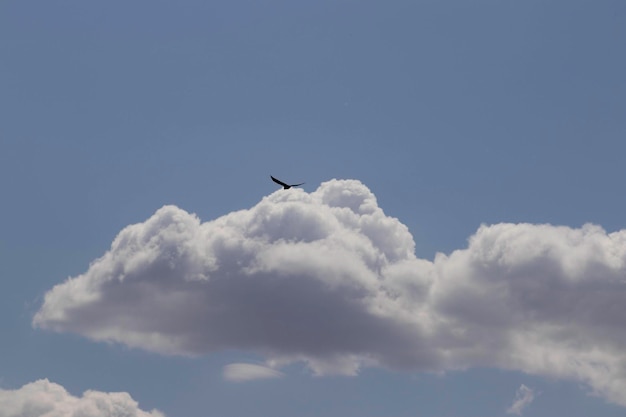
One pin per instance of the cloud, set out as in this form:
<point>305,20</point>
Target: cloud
<point>328,279</point>
<point>524,396</point>
<point>43,398</point>
<point>241,372</point>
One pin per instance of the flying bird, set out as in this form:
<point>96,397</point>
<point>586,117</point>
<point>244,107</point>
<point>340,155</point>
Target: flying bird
<point>285,186</point>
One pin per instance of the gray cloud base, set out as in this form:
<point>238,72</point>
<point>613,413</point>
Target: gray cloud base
<point>327,278</point>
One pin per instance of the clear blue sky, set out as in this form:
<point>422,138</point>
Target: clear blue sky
<point>453,113</point>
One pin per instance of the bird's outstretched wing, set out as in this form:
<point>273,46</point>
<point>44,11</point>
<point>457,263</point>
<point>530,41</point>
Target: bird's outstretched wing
<point>279,182</point>
<point>297,185</point>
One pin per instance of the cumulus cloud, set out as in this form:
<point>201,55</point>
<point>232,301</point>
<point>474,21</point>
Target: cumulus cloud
<point>328,279</point>
<point>43,398</point>
<point>524,396</point>
<point>241,372</point>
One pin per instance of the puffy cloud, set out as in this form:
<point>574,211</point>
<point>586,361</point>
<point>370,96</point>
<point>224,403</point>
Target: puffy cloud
<point>327,278</point>
<point>43,398</point>
<point>524,396</point>
<point>241,372</point>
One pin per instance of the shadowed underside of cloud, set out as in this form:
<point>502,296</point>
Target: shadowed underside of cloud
<point>327,278</point>
<point>46,399</point>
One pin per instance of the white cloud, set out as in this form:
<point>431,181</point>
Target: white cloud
<point>241,372</point>
<point>43,398</point>
<point>327,278</point>
<point>524,396</point>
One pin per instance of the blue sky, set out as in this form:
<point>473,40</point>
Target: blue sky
<point>452,113</point>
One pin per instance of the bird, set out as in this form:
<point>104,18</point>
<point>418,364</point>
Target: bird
<point>285,186</point>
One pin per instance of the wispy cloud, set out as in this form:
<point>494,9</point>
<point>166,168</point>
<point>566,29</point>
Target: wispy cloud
<point>43,398</point>
<point>524,396</point>
<point>241,372</point>
<point>327,278</point>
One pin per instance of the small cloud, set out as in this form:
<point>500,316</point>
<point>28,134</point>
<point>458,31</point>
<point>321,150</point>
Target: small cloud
<point>43,398</point>
<point>524,396</point>
<point>242,372</point>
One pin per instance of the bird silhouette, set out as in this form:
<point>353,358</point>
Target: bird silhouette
<point>285,186</point>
